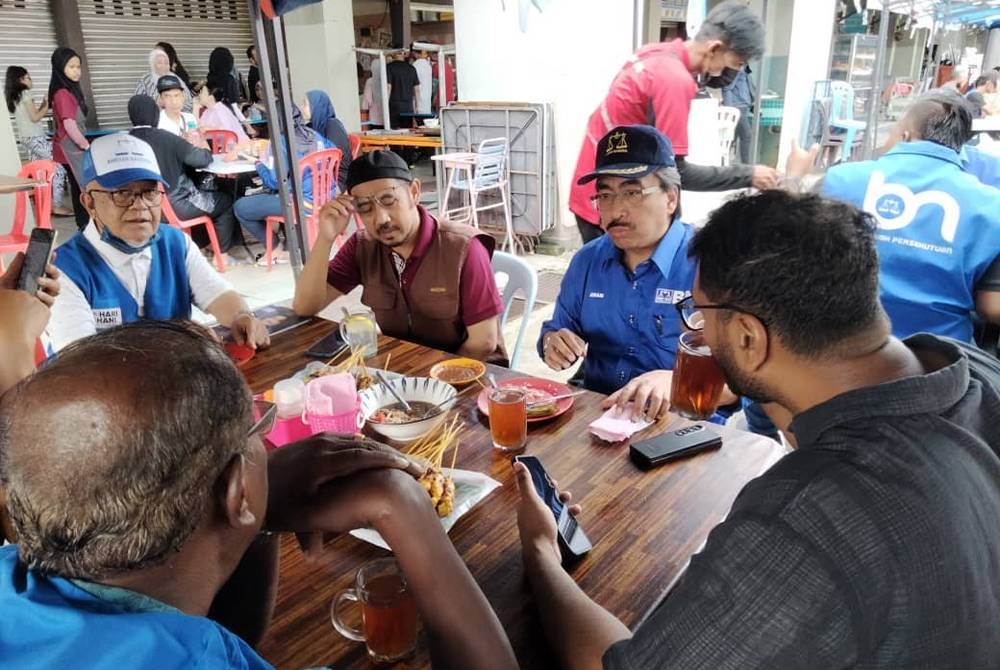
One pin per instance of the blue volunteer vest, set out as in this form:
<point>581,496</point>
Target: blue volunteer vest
<point>938,232</point>
<point>168,291</point>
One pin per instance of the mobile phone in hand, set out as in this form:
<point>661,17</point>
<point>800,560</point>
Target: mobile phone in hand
<point>573,542</point>
<point>35,259</point>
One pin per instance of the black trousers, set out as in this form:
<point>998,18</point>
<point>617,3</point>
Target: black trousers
<point>79,211</point>
<point>226,227</point>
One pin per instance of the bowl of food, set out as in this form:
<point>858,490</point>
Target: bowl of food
<point>459,371</point>
<point>429,400</point>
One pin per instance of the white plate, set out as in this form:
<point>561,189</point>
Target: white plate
<point>470,488</point>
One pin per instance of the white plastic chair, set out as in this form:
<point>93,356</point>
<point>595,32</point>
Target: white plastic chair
<point>728,118</point>
<point>842,116</point>
<point>521,277</point>
<point>490,172</point>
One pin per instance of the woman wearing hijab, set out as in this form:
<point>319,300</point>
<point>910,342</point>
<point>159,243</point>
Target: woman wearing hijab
<point>223,85</point>
<point>252,211</point>
<point>175,62</point>
<point>319,114</point>
<point>69,110</point>
<point>159,65</point>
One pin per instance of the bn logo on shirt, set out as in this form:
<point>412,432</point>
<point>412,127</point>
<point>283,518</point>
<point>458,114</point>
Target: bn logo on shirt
<point>895,206</point>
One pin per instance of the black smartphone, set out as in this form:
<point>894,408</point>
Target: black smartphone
<point>35,258</point>
<point>676,444</point>
<point>573,542</point>
<point>328,347</point>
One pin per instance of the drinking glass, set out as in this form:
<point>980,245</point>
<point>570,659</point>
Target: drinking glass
<point>388,611</point>
<point>508,418</point>
<point>358,330</point>
<point>697,381</point>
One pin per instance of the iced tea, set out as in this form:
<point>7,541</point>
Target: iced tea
<point>388,611</point>
<point>697,381</point>
<point>508,418</point>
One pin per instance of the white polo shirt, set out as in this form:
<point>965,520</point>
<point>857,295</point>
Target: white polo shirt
<point>187,121</point>
<point>72,317</point>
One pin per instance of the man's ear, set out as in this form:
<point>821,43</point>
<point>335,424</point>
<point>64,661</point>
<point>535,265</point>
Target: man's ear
<point>232,488</point>
<point>673,201</point>
<point>415,190</point>
<point>88,203</point>
<point>752,340</point>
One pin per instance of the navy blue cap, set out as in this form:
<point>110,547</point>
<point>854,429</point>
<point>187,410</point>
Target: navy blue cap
<point>631,152</point>
<point>169,82</point>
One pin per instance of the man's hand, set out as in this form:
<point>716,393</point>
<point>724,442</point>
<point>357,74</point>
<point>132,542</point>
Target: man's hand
<point>335,216</point>
<point>561,348</point>
<point>800,162</point>
<point>765,177</point>
<point>248,329</point>
<point>535,522</point>
<point>649,392</point>
<point>314,484</point>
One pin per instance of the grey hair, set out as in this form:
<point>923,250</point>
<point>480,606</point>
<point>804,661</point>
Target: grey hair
<point>737,27</point>
<point>125,487</point>
<point>669,178</point>
<point>942,116</point>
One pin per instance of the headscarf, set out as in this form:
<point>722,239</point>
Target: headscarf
<point>143,111</point>
<point>175,63</point>
<point>322,111</point>
<point>220,67</point>
<point>305,140</point>
<point>59,80</point>
<point>152,62</point>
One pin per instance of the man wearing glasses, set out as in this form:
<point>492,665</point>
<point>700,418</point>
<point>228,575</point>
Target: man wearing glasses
<point>426,281</point>
<point>125,266</point>
<point>616,303</point>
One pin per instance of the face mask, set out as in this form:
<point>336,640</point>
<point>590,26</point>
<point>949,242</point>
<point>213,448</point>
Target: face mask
<point>123,246</point>
<point>727,77</point>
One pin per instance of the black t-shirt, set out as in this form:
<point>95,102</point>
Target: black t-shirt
<point>175,155</point>
<point>402,77</point>
<point>875,545</point>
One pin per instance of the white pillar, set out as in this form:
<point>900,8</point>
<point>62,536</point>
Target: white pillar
<point>567,56</point>
<point>9,165</point>
<point>991,55</point>
<point>808,62</point>
<point>320,41</point>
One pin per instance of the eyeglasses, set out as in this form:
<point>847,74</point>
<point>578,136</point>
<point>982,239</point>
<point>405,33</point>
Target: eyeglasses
<point>267,411</point>
<point>125,197</point>
<point>630,197</point>
<point>693,318</point>
<point>384,200</point>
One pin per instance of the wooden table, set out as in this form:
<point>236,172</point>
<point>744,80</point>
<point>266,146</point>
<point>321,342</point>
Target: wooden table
<point>644,525</point>
<point>380,140</point>
<point>15,184</point>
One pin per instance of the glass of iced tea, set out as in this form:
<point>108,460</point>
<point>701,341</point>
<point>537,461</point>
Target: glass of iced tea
<point>697,382</point>
<point>388,611</point>
<point>508,418</point>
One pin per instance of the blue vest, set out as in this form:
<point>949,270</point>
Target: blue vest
<point>938,232</point>
<point>168,291</point>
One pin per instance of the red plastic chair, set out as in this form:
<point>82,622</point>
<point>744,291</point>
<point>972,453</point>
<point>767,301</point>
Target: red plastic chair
<point>187,224</point>
<point>324,166</point>
<point>355,141</point>
<point>42,172</point>
<point>219,138</point>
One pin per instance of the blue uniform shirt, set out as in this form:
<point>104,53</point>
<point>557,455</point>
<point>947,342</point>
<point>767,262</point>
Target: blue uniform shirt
<point>985,166</point>
<point>627,319</point>
<point>51,622</point>
<point>938,233</point>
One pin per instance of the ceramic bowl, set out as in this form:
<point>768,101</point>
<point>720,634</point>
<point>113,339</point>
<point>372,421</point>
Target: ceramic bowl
<point>423,389</point>
<point>458,371</point>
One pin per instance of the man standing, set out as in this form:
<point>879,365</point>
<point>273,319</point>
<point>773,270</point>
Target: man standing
<point>874,544</point>
<point>939,232</point>
<point>172,119</point>
<point>738,94</point>
<point>616,302</point>
<point>427,281</point>
<point>404,89</point>
<point>656,87</point>
<point>125,265</point>
<point>422,65</point>
<point>136,476</point>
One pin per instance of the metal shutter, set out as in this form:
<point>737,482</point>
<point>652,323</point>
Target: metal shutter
<point>120,33</point>
<point>27,38</point>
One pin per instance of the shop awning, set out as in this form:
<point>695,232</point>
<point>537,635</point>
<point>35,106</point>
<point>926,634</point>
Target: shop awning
<point>978,13</point>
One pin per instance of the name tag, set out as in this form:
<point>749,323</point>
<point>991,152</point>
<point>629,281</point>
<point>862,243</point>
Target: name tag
<point>438,289</point>
<point>108,318</point>
<point>668,296</point>
<point>595,294</point>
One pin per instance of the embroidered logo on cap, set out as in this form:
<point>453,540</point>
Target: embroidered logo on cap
<point>617,143</point>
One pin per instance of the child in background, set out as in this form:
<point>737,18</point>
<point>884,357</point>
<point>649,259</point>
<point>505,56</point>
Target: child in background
<point>31,130</point>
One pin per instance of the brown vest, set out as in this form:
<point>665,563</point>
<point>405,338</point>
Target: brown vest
<point>433,315</point>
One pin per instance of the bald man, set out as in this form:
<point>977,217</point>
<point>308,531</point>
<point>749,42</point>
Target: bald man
<point>138,484</point>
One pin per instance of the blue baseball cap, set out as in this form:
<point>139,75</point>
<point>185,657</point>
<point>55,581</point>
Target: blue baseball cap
<point>119,159</point>
<point>631,152</point>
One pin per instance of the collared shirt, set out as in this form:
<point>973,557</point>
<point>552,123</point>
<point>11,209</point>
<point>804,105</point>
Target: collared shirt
<point>187,122</point>
<point>938,233</point>
<point>627,319</point>
<point>876,544</point>
<point>72,318</point>
<point>480,299</point>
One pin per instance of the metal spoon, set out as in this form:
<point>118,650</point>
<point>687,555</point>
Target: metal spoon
<point>491,379</point>
<point>382,380</point>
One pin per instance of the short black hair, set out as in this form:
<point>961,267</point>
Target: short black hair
<point>805,265</point>
<point>250,51</point>
<point>943,116</point>
<point>985,79</point>
<point>737,27</point>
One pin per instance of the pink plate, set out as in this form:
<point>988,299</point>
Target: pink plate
<point>532,383</point>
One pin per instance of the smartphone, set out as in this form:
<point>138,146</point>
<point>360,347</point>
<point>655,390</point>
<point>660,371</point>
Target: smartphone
<point>676,444</point>
<point>328,347</point>
<point>573,542</point>
<point>35,258</point>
